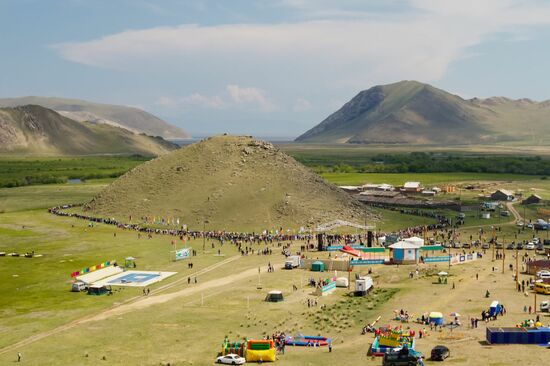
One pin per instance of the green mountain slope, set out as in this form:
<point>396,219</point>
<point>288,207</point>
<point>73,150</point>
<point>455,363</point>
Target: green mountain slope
<point>412,112</point>
<point>130,118</point>
<point>234,183</point>
<point>38,130</point>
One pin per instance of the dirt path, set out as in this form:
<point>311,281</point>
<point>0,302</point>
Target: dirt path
<point>141,302</point>
<point>512,209</point>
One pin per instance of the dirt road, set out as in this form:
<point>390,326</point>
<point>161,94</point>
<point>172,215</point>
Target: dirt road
<point>512,209</point>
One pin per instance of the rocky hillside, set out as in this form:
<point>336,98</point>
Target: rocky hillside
<point>130,118</point>
<point>38,130</point>
<point>234,183</point>
<point>416,113</point>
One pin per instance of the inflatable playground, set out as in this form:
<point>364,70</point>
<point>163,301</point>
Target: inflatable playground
<point>260,351</point>
<point>232,348</point>
<point>252,350</point>
<point>307,341</point>
<point>387,340</point>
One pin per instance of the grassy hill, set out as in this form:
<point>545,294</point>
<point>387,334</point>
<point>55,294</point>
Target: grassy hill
<point>130,118</point>
<point>234,183</point>
<point>416,113</point>
<point>34,129</point>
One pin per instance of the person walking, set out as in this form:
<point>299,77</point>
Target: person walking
<point>19,356</point>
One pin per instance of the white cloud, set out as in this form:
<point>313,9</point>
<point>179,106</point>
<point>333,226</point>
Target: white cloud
<point>257,96</point>
<point>301,105</point>
<point>418,45</point>
<point>195,99</point>
<point>232,96</point>
<point>329,50</point>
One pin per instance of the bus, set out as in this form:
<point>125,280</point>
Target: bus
<point>542,288</point>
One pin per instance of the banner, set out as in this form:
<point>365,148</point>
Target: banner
<point>183,253</point>
<point>463,258</point>
<point>443,258</point>
<point>335,248</point>
<point>364,262</point>
<point>93,268</point>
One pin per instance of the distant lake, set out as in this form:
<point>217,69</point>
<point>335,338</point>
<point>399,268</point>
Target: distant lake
<point>74,181</point>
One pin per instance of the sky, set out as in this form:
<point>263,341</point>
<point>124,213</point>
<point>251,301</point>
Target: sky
<point>270,68</point>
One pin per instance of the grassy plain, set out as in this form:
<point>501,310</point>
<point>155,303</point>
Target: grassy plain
<point>185,324</point>
<point>25,170</point>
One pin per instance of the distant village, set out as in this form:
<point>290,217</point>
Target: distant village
<point>414,194</point>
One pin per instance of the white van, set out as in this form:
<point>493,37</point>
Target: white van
<point>78,286</point>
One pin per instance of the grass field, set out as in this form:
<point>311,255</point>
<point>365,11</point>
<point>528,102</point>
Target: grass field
<point>185,324</point>
<point>23,171</point>
<point>45,196</point>
<point>181,324</point>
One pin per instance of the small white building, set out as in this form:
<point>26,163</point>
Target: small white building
<point>378,187</point>
<point>412,187</point>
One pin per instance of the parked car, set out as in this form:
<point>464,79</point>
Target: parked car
<point>466,245</point>
<point>543,274</point>
<point>530,225</point>
<point>398,358</point>
<point>78,286</point>
<point>529,246</point>
<point>511,246</point>
<point>519,246</point>
<point>540,246</point>
<point>499,246</point>
<point>485,246</point>
<point>536,240</point>
<point>292,261</point>
<point>457,245</point>
<point>519,224</point>
<point>446,245</point>
<point>545,306</point>
<point>440,353</point>
<point>231,359</point>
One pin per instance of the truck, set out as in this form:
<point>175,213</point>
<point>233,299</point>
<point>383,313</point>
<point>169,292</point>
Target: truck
<point>292,261</point>
<point>363,285</point>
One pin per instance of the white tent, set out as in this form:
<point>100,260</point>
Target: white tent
<point>404,245</point>
<point>99,274</point>
<point>415,240</point>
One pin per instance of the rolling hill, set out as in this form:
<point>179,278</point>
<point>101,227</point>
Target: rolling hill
<point>130,118</point>
<point>37,130</point>
<point>416,113</point>
<point>234,183</point>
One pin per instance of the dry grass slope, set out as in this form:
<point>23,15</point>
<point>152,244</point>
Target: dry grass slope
<point>37,130</point>
<point>234,183</point>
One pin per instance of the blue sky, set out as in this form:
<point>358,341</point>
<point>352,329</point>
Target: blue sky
<point>268,68</point>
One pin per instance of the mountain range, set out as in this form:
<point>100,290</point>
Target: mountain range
<point>411,112</point>
<point>38,130</point>
<point>130,118</point>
